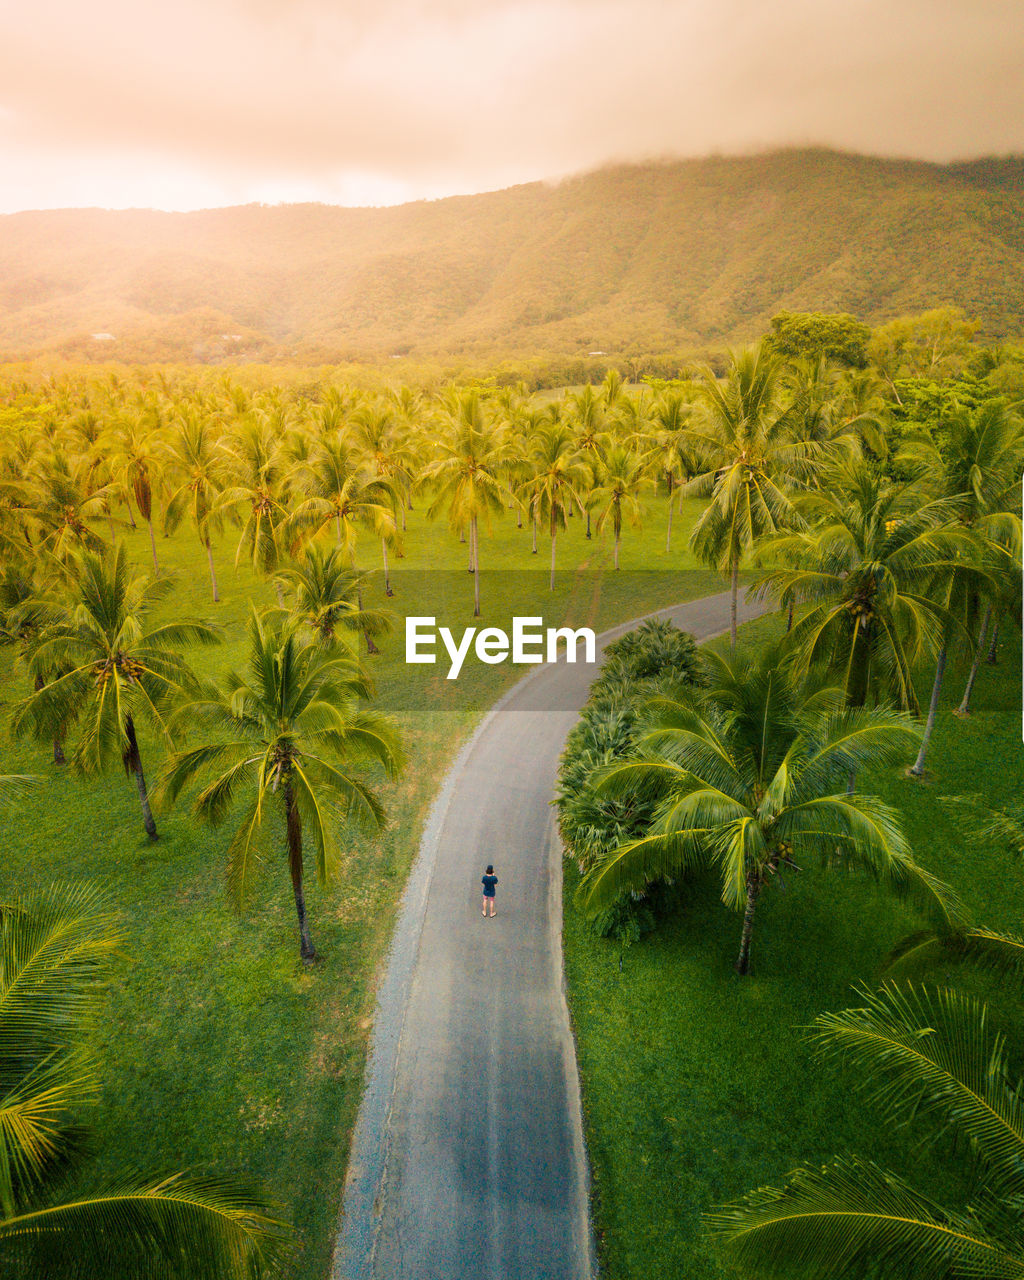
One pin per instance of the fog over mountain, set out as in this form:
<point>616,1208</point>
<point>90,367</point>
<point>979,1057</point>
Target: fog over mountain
<point>658,257</point>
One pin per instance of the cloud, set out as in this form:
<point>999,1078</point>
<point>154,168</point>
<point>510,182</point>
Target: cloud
<point>208,101</point>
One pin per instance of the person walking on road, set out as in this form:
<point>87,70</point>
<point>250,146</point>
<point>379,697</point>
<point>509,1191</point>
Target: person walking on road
<point>489,881</point>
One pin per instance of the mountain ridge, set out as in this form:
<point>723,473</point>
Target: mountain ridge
<point>663,256</point>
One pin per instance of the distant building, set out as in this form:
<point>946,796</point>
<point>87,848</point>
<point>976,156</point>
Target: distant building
<point>103,337</point>
<point>597,353</point>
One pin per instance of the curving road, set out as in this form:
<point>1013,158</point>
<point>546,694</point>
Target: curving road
<point>468,1160</point>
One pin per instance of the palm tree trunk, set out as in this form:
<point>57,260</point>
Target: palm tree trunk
<point>58,745</point>
<point>917,768</point>
<point>554,535</point>
<point>858,678</point>
<point>476,567</point>
<point>370,646</point>
<point>387,573</point>
<point>213,576</point>
<point>337,527</point>
<point>671,504</point>
<point>294,821</point>
<point>964,709</point>
<point>616,548</point>
<point>152,543</point>
<point>131,518</point>
<point>742,965</point>
<point>993,656</point>
<point>133,762</point>
<point>735,588</point>
<point>588,522</point>
<point>534,533</point>
<point>789,617</point>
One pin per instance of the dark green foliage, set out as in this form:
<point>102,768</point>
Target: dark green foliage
<point>697,1087</point>
<point>653,650</point>
<point>654,655</point>
<point>810,334</point>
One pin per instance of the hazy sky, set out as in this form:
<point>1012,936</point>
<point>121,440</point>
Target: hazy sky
<point>210,102</point>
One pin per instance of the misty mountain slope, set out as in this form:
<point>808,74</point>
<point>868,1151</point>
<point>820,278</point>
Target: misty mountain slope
<point>658,256</point>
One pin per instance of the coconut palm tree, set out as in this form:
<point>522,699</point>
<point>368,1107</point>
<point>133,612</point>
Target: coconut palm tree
<point>745,773</point>
<point>136,463</point>
<point>200,463</point>
<point>113,667</point>
<point>283,733</point>
<point>465,475</point>
<point>587,415</point>
<point>24,616</point>
<point>748,451</point>
<point>327,591</point>
<point>865,566</point>
<point>621,479</point>
<point>978,459</point>
<point>339,492</point>
<point>388,457</point>
<point>257,492</point>
<point>932,1058</point>
<point>670,446</point>
<point>558,477</point>
<point>62,502</point>
<point>55,953</point>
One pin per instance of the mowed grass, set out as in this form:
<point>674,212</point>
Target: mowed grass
<point>220,1050</point>
<point>699,1085</point>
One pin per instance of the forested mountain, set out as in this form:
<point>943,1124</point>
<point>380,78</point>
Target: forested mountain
<point>679,256</point>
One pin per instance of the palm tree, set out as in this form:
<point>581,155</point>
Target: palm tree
<point>62,502</point>
<point>55,952</point>
<point>553,490</point>
<point>282,734</point>
<point>466,476</point>
<point>195,454</point>
<point>587,414</point>
<point>925,1055</point>
<point>979,456</point>
<point>136,464</point>
<point>327,592</point>
<point>746,445</point>
<point>257,492</point>
<point>113,666</point>
<point>389,458</point>
<point>677,462</point>
<point>23,620</point>
<point>621,478</point>
<point>865,567</point>
<point>339,492</point>
<point>744,771</point>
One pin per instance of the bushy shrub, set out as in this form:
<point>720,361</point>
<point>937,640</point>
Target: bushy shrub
<point>653,656</point>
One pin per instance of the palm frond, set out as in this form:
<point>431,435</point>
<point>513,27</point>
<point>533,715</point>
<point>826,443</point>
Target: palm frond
<point>851,1219</point>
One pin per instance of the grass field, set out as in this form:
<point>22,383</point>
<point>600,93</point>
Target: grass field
<point>698,1085</point>
<point>220,1050</point>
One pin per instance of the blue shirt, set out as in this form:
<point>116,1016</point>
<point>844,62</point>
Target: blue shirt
<point>488,883</point>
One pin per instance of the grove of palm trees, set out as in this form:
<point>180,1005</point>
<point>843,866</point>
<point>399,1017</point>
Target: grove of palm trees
<point>204,580</point>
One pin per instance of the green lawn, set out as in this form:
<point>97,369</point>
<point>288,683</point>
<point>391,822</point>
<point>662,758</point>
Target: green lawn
<point>220,1050</point>
<point>699,1085</point>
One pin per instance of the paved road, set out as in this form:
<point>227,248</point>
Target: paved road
<point>468,1160</point>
